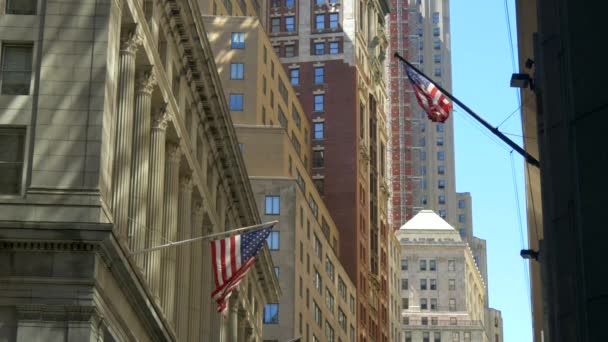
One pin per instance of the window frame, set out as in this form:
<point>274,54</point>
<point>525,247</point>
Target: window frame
<point>239,43</point>
<point>235,100</point>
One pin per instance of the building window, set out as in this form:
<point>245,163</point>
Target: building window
<point>442,213</point>
<point>441,184</point>
<point>423,304</point>
<point>271,314</point>
<point>452,265</point>
<point>408,336</point>
<point>433,304</point>
<point>463,232</point>
<point>404,284</point>
<point>441,199</point>
<point>275,25</point>
<point>452,284</point>
<point>318,158</point>
<point>319,48</point>
<point>237,71</point>
<point>236,102</point>
<point>290,50</point>
<point>273,241</point>
<point>16,71</point>
<point>22,7</point>
<point>342,321</point>
<point>319,75</point>
<point>441,169</point>
<point>319,130</point>
<point>425,321</point>
<point>334,48</point>
<point>441,155</point>
<point>452,304</point>
<point>277,271</point>
<point>461,204</point>
<point>405,303</point>
<point>423,265</point>
<point>319,102</point>
<point>317,314</point>
<point>422,284</point>
<point>433,265</point>
<point>433,285</point>
<point>437,58</point>
<point>419,31</point>
<point>290,24</point>
<point>435,17</point>
<point>461,218</point>
<point>436,31</point>
<point>330,269</point>
<point>272,205</point>
<point>422,127</point>
<point>289,3</point>
<point>440,128</point>
<point>404,264</point>
<point>318,281</point>
<point>439,141</point>
<point>238,40</point>
<point>276,3</point>
<point>320,21</point>
<point>422,155</point>
<point>329,300</point>
<point>318,248</point>
<point>437,71</point>
<point>334,20</point>
<point>12,145</point>
<point>329,332</point>
<point>437,45</point>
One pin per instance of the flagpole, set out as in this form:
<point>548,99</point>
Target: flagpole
<point>529,158</point>
<point>206,237</point>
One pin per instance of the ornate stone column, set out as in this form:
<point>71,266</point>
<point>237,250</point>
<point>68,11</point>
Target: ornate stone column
<point>138,203</point>
<point>196,277</point>
<point>156,196</point>
<point>124,132</point>
<point>167,275</point>
<point>208,306</point>
<point>182,284</point>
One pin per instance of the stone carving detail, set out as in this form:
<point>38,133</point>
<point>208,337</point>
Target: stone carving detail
<point>130,41</point>
<point>146,80</point>
<point>161,118</point>
<point>174,153</point>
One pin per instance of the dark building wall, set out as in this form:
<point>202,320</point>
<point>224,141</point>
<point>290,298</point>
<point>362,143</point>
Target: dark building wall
<point>572,120</point>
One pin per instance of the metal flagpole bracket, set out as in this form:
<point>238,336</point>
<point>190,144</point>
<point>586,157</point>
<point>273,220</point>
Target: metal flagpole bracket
<point>202,238</point>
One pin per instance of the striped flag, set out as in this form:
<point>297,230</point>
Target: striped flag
<point>436,105</point>
<point>231,258</point>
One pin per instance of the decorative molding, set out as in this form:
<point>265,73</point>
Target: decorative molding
<point>161,118</point>
<point>130,40</point>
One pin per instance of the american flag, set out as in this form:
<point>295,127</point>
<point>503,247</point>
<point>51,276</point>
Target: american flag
<point>436,105</point>
<point>231,258</point>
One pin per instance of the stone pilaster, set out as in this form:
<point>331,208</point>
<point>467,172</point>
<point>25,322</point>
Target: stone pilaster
<point>138,203</point>
<point>156,196</point>
<point>196,277</point>
<point>184,232</point>
<point>167,274</point>
<point>208,306</point>
<point>124,132</point>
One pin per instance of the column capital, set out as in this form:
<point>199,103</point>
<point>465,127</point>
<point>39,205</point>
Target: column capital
<point>146,80</point>
<point>160,118</point>
<point>130,40</point>
<point>185,183</point>
<point>198,209</point>
<point>174,153</point>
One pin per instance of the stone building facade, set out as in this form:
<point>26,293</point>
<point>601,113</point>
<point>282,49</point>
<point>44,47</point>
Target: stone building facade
<point>319,299</point>
<point>116,137</point>
<point>443,296</point>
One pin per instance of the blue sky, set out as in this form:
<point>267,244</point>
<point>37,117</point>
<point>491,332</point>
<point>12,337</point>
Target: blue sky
<point>481,71</point>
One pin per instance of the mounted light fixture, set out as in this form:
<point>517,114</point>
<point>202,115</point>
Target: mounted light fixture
<point>522,81</point>
<point>529,254</point>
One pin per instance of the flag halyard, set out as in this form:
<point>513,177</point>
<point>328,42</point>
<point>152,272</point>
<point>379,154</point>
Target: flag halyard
<point>231,258</point>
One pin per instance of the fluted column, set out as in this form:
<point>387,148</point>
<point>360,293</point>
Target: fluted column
<point>233,318</point>
<point>156,197</point>
<point>138,203</point>
<point>196,277</point>
<point>167,275</point>
<point>184,232</point>
<point>124,132</point>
